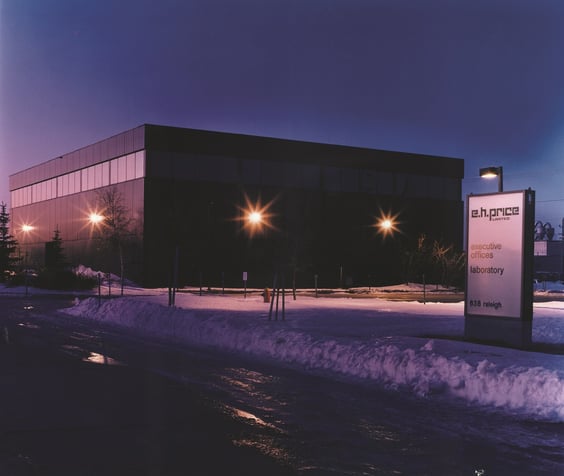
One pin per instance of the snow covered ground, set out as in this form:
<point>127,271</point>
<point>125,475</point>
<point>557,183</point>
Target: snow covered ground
<point>408,346</point>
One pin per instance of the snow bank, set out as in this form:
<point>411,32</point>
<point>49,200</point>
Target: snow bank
<point>355,345</point>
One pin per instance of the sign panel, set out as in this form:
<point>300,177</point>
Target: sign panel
<point>496,257</point>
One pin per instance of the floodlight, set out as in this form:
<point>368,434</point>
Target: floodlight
<point>95,218</point>
<point>492,172</point>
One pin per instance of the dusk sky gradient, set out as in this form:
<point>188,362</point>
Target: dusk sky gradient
<point>481,80</point>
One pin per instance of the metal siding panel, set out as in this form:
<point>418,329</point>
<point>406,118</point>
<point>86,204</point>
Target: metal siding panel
<point>47,170</point>
<point>89,154</point>
<point>120,144</point>
<point>30,175</point>
<point>57,166</point>
<point>84,158</point>
<point>139,138</point>
<point>15,181</point>
<point>129,141</point>
<point>112,145</point>
<point>73,160</point>
<point>64,164</point>
<point>50,169</point>
<point>103,151</point>
<point>96,150</point>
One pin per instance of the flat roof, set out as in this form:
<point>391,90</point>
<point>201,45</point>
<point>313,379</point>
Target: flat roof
<point>286,150</point>
<point>204,142</point>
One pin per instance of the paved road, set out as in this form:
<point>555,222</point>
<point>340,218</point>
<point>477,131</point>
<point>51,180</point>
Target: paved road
<point>156,409</point>
<point>63,413</point>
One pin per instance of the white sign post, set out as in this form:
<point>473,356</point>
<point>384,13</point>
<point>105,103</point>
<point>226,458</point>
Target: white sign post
<point>499,279</point>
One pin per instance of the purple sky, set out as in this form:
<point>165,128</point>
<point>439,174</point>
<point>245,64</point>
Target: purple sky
<point>480,80</point>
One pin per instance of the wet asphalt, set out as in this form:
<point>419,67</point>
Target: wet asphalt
<point>62,415</point>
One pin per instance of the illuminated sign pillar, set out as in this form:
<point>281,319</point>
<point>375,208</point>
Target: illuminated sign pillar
<point>498,303</point>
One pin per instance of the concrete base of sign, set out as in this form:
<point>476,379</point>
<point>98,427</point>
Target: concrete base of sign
<point>508,331</point>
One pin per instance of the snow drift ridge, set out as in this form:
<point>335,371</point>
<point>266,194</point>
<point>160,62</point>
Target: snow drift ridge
<point>395,363</point>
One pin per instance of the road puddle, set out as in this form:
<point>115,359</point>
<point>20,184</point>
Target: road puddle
<point>249,416</point>
<point>28,325</point>
<point>102,359</point>
<point>89,356</point>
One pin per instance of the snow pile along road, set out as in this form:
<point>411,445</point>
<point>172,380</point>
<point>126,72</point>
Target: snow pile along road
<point>361,347</point>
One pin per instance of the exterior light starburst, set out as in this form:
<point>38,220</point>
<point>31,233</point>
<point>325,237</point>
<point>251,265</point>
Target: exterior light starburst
<point>255,216</point>
<point>95,218</point>
<point>387,224</point>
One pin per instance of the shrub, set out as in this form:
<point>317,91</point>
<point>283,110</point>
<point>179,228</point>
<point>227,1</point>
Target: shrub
<point>64,280</point>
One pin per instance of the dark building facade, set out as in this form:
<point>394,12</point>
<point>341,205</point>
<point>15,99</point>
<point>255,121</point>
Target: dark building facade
<point>187,193</point>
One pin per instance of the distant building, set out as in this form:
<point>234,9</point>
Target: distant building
<point>186,192</point>
<point>549,260</point>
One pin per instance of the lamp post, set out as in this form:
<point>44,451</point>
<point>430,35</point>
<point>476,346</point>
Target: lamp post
<point>255,218</point>
<point>492,172</point>
<point>96,220</point>
<point>387,224</point>
<point>500,264</point>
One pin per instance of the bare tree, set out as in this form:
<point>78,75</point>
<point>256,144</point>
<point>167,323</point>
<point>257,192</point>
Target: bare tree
<point>450,262</point>
<point>438,261</point>
<point>115,229</point>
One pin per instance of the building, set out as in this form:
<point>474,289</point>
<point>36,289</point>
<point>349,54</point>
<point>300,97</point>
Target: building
<point>548,252</point>
<point>186,193</point>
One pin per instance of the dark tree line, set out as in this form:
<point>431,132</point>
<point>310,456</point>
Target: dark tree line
<point>8,245</point>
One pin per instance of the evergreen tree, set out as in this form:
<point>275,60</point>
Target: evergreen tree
<point>54,256</point>
<point>56,274</point>
<point>8,244</point>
